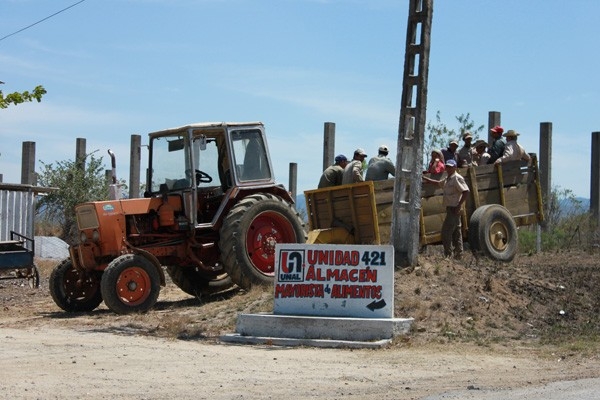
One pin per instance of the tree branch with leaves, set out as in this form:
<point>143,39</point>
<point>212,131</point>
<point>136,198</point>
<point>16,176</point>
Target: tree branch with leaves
<point>22,97</point>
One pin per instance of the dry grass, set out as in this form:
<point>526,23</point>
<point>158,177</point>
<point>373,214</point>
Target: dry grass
<point>549,299</point>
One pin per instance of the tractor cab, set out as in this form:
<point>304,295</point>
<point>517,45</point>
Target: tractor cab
<point>203,163</point>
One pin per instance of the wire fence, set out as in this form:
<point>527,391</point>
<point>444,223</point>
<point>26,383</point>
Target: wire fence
<point>51,247</point>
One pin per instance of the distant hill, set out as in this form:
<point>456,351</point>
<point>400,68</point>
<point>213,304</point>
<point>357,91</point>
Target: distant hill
<point>575,205</point>
<point>300,202</point>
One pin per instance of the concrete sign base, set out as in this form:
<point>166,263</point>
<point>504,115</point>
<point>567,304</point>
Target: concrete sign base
<point>291,330</point>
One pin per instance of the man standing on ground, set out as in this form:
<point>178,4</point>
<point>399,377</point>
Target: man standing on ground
<point>354,170</point>
<point>455,195</point>
<point>380,166</point>
<point>332,176</point>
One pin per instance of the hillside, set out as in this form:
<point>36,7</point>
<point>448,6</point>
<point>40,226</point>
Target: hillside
<point>539,299</point>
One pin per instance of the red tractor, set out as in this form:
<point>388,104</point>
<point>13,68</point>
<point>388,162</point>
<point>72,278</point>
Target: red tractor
<point>211,215</point>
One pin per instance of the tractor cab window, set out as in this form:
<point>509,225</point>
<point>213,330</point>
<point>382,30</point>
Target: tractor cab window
<point>250,155</point>
<point>206,156</point>
<point>169,164</point>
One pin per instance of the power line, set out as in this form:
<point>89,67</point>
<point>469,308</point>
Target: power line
<point>41,20</point>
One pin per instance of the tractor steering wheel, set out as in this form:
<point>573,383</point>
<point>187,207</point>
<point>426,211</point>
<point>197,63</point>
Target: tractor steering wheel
<point>201,176</point>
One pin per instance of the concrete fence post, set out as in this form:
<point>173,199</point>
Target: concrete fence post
<point>28,164</point>
<point>595,180</point>
<point>328,144</point>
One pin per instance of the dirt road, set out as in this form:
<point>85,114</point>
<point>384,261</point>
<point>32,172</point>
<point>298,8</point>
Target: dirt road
<point>173,351</point>
<point>50,363</point>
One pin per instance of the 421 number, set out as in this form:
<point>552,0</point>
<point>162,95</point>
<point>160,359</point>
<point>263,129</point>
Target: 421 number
<point>374,258</point>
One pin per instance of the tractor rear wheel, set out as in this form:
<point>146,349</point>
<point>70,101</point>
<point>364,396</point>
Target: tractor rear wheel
<point>74,290</point>
<point>249,234</point>
<point>130,284</point>
<point>196,284</point>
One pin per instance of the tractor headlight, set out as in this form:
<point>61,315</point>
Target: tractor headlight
<point>95,235</point>
<point>83,237</point>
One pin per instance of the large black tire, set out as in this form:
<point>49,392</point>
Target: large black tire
<point>249,235</point>
<point>130,284</point>
<point>196,284</point>
<point>74,291</point>
<point>497,235</point>
<point>473,232</point>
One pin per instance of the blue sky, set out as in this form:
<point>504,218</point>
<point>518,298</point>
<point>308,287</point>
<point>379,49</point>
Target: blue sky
<point>113,68</point>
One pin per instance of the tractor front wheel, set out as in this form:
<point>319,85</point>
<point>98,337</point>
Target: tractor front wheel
<point>130,284</point>
<point>249,234</point>
<point>74,290</point>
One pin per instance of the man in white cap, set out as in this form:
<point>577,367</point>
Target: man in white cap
<point>380,166</point>
<point>512,150</point>
<point>450,152</point>
<point>354,170</point>
<point>456,192</point>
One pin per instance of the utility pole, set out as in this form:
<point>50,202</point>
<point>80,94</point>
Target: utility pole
<point>411,132</point>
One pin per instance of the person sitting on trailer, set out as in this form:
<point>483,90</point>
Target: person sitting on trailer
<point>380,166</point>
<point>513,150</point>
<point>450,152</point>
<point>436,163</point>
<point>497,147</point>
<point>465,154</point>
<point>332,176</point>
<point>480,154</point>
<point>354,170</point>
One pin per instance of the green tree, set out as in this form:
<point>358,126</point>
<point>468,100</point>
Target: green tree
<point>438,135</point>
<point>77,182</point>
<point>22,97</point>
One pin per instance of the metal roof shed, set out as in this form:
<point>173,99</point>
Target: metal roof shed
<point>17,208</point>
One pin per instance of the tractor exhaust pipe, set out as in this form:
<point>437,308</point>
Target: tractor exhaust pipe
<point>114,191</point>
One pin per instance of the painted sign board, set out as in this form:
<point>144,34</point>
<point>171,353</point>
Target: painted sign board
<point>334,280</point>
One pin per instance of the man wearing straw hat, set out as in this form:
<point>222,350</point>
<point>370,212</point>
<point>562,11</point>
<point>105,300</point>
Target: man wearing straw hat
<point>512,150</point>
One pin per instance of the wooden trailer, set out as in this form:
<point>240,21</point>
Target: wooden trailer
<point>502,198</point>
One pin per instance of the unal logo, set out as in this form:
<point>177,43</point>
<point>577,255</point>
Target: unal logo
<point>291,266</point>
<point>108,208</point>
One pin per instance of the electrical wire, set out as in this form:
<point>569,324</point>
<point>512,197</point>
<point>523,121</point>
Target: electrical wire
<point>41,20</point>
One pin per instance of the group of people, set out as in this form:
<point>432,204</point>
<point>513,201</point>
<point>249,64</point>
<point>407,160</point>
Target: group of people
<point>358,170</point>
<point>504,148</point>
<point>455,188</point>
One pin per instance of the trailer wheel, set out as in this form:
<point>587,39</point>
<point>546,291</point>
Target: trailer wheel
<point>130,284</point>
<point>73,290</point>
<point>249,234</point>
<point>473,233</point>
<point>496,232</point>
<point>196,284</point>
